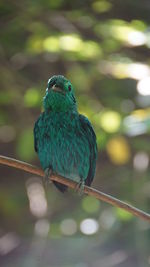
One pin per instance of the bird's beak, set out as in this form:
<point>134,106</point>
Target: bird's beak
<point>57,89</point>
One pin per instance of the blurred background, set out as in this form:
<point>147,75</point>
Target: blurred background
<point>103,47</point>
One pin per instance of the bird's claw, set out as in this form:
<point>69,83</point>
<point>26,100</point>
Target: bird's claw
<point>80,187</point>
<point>46,178</point>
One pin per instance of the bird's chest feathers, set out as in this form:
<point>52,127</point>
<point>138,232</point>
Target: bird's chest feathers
<point>59,128</point>
<point>59,134</point>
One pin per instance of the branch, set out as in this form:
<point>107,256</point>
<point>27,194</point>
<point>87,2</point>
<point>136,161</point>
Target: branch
<point>88,190</point>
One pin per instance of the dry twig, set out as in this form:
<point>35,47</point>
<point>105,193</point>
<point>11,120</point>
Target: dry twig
<point>88,190</point>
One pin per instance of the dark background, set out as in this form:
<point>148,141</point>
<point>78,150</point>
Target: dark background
<point>102,46</point>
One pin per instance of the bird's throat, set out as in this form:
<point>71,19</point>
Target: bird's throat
<point>58,89</point>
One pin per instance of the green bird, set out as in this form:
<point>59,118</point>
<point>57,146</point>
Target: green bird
<point>64,139</point>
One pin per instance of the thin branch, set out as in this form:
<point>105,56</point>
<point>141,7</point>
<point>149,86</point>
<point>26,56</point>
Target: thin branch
<point>88,190</point>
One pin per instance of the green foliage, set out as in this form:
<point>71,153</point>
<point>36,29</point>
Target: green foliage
<point>25,145</point>
<point>32,98</point>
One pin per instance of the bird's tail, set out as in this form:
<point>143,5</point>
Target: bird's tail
<point>60,187</point>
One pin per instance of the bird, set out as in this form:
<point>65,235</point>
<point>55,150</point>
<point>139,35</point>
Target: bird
<point>64,139</point>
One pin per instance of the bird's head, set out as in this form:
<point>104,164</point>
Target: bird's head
<point>59,95</point>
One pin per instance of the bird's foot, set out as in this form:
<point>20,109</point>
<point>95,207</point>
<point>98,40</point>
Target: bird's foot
<point>46,178</point>
<point>80,187</point>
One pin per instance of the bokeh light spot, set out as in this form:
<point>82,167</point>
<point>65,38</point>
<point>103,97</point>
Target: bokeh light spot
<point>71,43</point>
<point>51,44</point>
<point>110,121</point>
<point>91,49</point>
<point>123,215</point>
<point>8,242</point>
<point>42,227</point>
<point>89,226</point>
<point>68,227</point>
<point>118,150</point>
<point>90,204</point>
<point>107,219</point>
<point>32,97</point>
<point>141,161</point>
<point>143,86</point>
<point>134,124</point>
<point>136,38</point>
<point>101,6</point>
<point>138,71</point>
<point>37,199</point>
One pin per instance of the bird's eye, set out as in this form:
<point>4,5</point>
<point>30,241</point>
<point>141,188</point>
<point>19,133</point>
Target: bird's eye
<point>69,88</point>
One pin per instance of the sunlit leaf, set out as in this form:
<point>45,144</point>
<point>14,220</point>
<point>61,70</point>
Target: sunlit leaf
<point>71,43</point>
<point>51,44</point>
<point>91,50</point>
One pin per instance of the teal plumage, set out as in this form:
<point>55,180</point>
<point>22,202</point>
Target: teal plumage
<point>64,139</point>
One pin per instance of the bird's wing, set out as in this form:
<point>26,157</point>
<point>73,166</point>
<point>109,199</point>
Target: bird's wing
<point>91,137</point>
<point>36,134</point>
